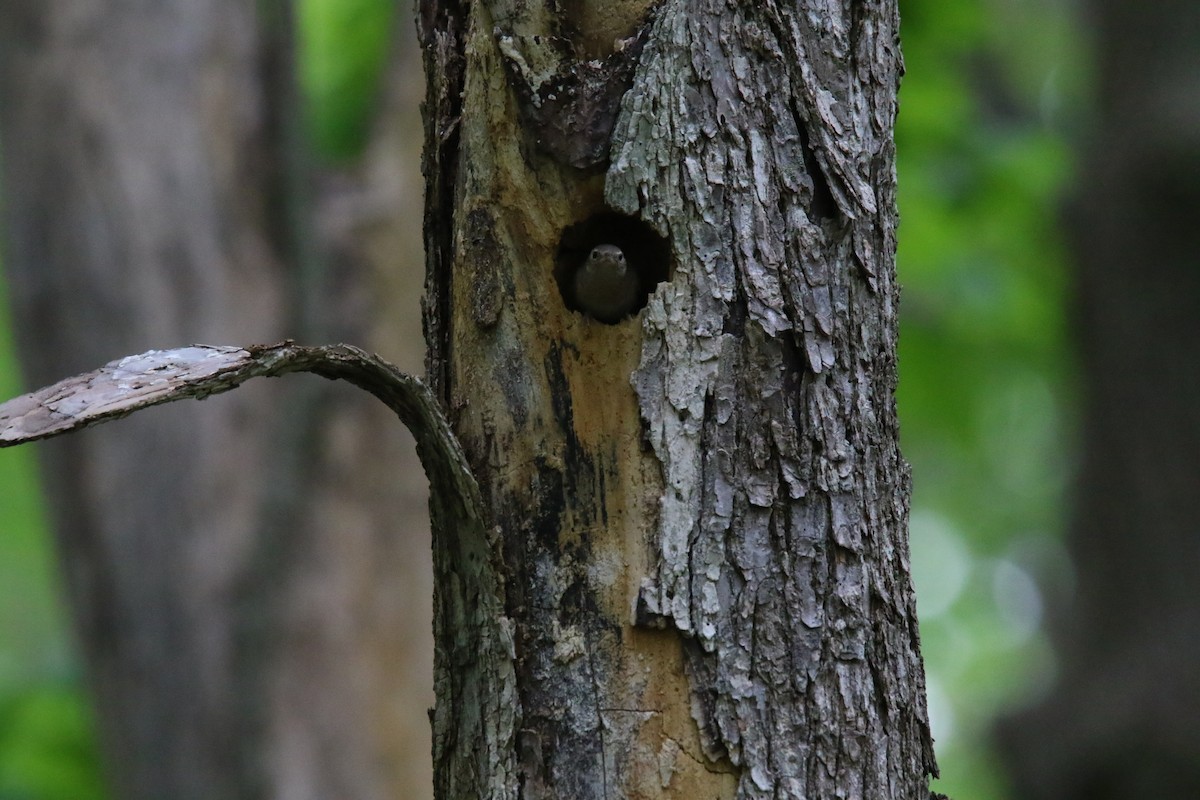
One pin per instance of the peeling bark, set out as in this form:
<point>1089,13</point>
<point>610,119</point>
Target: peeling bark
<point>702,512</point>
<point>766,381</point>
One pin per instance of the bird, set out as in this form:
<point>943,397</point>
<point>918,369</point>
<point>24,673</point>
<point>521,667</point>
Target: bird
<point>606,287</point>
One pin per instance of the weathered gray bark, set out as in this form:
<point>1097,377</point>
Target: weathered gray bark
<point>1121,721</point>
<point>237,571</point>
<point>701,513</point>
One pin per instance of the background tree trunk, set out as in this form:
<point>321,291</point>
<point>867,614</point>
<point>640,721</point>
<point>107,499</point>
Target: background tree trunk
<point>701,512</point>
<point>1121,720</point>
<point>249,584</point>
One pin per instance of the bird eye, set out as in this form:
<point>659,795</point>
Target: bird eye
<point>595,254</point>
<point>621,257</point>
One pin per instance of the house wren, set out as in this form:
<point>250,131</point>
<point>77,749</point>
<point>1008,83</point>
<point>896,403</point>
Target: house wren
<point>606,288</point>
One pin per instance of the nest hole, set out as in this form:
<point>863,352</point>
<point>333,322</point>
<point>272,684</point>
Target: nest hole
<point>647,253</point>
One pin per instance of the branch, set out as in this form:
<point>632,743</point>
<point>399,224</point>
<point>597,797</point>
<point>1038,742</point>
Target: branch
<point>122,387</point>
<point>475,645</point>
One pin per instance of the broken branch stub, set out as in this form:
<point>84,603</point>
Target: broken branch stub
<point>122,387</point>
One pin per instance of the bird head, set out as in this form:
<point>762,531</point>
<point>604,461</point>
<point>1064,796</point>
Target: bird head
<point>606,256</point>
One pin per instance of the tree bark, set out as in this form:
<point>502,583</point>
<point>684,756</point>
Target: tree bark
<point>246,582</point>
<point>700,550</point>
<point>1121,720</point>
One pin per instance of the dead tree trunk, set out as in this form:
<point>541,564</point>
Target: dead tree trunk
<point>698,583</point>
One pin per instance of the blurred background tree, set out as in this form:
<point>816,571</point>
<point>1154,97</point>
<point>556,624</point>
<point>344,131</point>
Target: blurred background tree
<point>250,580</point>
<point>995,93</point>
<point>1121,719</point>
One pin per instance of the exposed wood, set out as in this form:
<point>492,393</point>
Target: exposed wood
<point>702,511</point>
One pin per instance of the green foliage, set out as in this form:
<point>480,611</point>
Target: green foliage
<point>343,48</point>
<point>47,746</point>
<point>984,394</point>
<point>30,621</point>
